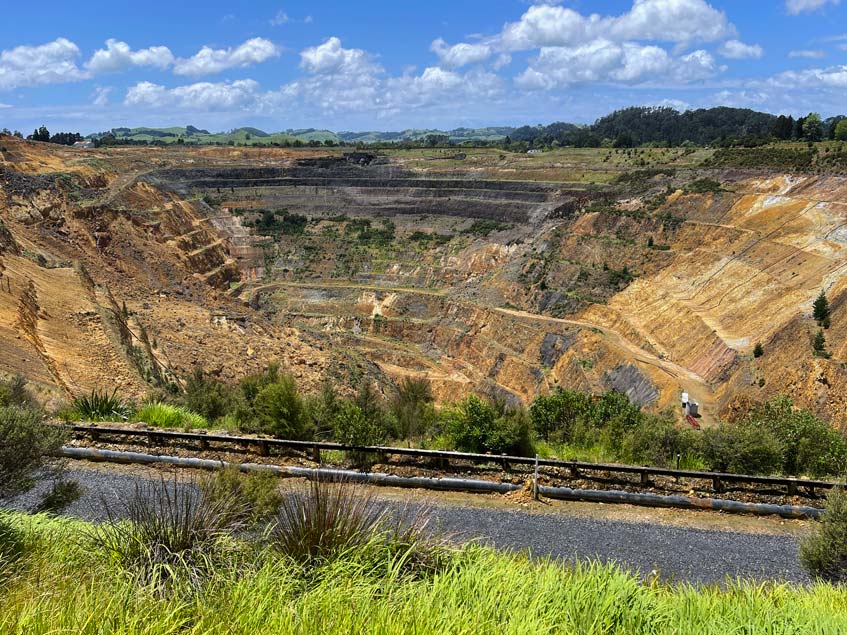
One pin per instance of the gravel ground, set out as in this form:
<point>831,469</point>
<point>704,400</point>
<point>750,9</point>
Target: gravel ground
<point>676,553</point>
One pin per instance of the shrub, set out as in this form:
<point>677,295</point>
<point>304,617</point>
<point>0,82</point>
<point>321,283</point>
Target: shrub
<point>25,441</point>
<point>372,405</point>
<point>808,445</point>
<point>164,415</point>
<point>617,277</point>
<point>279,222</point>
<point>412,408</point>
<point>279,411</point>
<point>742,448</point>
<point>208,396</point>
<point>320,410</point>
<point>101,406</point>
<point>483,227</point>
<point>477,425</point>
<point>257,491</point>
<point>701,186</point>
<point>657,440</point>
<point>758,351</point>
<point>15,393</point>
<point>611,415</point>
<point>824,553</point>
<point>354,427</point>
<point>554,416</point>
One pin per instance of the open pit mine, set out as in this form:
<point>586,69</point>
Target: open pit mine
<point>489,272</point>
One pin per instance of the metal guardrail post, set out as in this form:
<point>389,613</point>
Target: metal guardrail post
<point>535,480</point>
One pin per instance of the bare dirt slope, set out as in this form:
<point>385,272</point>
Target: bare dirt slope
<point>80,239</point>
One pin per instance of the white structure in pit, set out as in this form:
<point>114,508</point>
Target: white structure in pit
<point>690,406</point>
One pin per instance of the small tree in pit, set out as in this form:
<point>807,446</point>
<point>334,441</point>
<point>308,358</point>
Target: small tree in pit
<point>820,310</point>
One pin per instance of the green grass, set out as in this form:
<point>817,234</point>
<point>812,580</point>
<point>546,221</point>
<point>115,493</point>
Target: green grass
<point>164,415</point>
<point>98,406</point>
<point>63,585</point>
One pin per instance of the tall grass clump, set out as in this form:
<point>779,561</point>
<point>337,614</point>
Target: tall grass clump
<point>167,530</point>
<point>328,521</point>
<point>824,553</point>
<point>163,415</point>
<point>100,405</point>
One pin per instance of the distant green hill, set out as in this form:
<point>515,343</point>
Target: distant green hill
<point>250,136</point>
<point>456,135</point>
<point>190,134</point>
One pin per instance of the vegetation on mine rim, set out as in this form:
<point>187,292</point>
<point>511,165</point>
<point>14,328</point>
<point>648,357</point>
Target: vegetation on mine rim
<point>774,437</point>
<point>62,575</point>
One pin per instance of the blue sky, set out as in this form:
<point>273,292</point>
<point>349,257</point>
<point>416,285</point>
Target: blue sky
<point>387,65</point>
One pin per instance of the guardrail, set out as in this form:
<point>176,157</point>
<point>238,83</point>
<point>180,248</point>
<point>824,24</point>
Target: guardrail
<point>452,484</point>
<point>719,480</point>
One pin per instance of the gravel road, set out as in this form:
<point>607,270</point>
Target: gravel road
<point>677,553</point>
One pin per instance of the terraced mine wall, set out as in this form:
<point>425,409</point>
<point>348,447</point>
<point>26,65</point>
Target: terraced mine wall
<point>373,189</point>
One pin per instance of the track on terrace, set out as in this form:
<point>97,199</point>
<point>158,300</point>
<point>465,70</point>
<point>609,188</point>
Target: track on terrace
<point>688,380</point>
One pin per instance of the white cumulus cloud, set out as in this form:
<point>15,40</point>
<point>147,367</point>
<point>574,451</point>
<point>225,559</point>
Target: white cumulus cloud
<point>573,47</point>
<point>831,77</point>
<point>672,21</point>
<point>208,61</point>
<point>678,21</point>
<point>460,54</point>
<point>342,80</point>
<point>51,63</point>
<point>737,50</point>
<point>199,96</point>
<point>331,58</point>
<point>118,56</point>
<point>607,61</point>
<point>804,6</point>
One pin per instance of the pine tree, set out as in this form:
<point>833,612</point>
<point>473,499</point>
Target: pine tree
<point>820,309</point>
<point>819,345</point>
